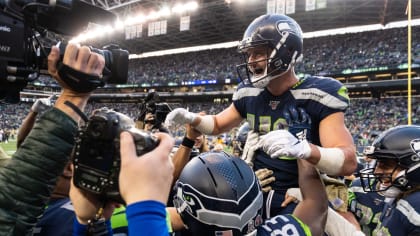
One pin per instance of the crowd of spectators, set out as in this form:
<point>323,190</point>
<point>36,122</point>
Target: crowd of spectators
<point>326,55</point>
<point>365,118</point>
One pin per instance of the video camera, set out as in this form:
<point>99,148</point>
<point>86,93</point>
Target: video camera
<point>159,110</point>
<point>25,29</point>
<point>96,155</point>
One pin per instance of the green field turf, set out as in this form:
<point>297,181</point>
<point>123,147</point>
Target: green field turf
<point>9,147</point>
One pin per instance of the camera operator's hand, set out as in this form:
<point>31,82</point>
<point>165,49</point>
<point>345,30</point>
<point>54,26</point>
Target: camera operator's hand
<point>79,58</point>
<point>86,205</point>
<point>149,176</point>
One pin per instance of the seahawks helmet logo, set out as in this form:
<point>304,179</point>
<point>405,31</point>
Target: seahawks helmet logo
<point>415,146</point>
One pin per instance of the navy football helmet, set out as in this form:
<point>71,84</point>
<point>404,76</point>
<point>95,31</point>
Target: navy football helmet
<point>218,193</point>
<point>282,37</point>
<point>402,145</point>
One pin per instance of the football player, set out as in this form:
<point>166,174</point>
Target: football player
<point>299,118</point>
<point>396,175</point>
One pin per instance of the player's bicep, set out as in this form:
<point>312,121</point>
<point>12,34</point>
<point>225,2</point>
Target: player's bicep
<point>333,132</point>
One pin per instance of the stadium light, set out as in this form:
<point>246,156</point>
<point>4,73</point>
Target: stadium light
<point>165,12</point>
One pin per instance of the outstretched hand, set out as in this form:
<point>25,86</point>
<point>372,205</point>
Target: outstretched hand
<point>179,116</point>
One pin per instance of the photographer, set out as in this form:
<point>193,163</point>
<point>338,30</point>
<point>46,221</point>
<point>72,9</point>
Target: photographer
<point>145,198</point>
<point>28,179</point>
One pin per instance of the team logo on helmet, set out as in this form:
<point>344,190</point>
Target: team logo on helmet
<point>287,26</point>
<point>415,146</point>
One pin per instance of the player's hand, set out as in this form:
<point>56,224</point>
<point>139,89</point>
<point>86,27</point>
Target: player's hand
<point>251,145</point>
<point>147,177</point>
<point>299,122</point>
<point>265,177</point>
<point>292,195</point>
<point>42,104</point>
<point>280,143</point>
<point>179,116</point>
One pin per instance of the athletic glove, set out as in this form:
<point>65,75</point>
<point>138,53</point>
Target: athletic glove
<point>179,116</point>
<point>280,143</point>
<point>42,104</point>
<point>251,145</point>
<point>265,177</point>
<point>299,122</point>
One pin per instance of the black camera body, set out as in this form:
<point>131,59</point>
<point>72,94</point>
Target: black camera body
<point>160,110</point>
<point>26,35</point>
<point>96,155</point>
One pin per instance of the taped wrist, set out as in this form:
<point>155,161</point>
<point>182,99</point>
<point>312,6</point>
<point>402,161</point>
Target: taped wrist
<point>206,125</point>
<point>78,81</point>
<point>331,161</point>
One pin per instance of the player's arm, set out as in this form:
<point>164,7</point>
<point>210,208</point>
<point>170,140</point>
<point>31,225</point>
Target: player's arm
<point>313,208</point>
<point>337,156</point>
<point>207,124</point>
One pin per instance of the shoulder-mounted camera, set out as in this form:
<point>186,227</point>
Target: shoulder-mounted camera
<point>96,155</point>
<point>26,26</point>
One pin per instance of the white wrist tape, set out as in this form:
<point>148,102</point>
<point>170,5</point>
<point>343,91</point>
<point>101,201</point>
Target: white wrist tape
<point>331,161</point>
<point>206,125</point>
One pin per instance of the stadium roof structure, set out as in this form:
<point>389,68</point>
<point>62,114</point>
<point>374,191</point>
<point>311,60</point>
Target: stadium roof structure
<point>216,21</point>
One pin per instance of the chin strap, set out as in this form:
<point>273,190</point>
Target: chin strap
<point>79,81</point>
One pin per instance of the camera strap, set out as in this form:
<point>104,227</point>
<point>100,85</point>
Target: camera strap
<point>78,81</point>
<point>97,226</point>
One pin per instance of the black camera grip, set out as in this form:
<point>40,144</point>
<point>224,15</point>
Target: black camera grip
<point>78,81</point>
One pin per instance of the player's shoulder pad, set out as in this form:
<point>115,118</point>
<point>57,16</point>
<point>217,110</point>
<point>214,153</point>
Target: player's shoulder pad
<point>246,90</point>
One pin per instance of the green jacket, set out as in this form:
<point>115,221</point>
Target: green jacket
<point>29,178</point>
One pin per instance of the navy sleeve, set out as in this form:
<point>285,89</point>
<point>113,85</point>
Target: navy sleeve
<point>79,229</point>
<point>147,218</point>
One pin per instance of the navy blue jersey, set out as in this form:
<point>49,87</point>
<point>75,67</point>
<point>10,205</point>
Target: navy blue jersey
<point>319,96</point>
<point>400,218</point>
<point>283,225</point>
<point>58,219</point>
<point>366,206</point>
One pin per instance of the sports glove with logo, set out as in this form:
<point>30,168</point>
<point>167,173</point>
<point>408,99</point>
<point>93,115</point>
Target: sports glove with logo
<point>299,122</point>
<point>279,143</point>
